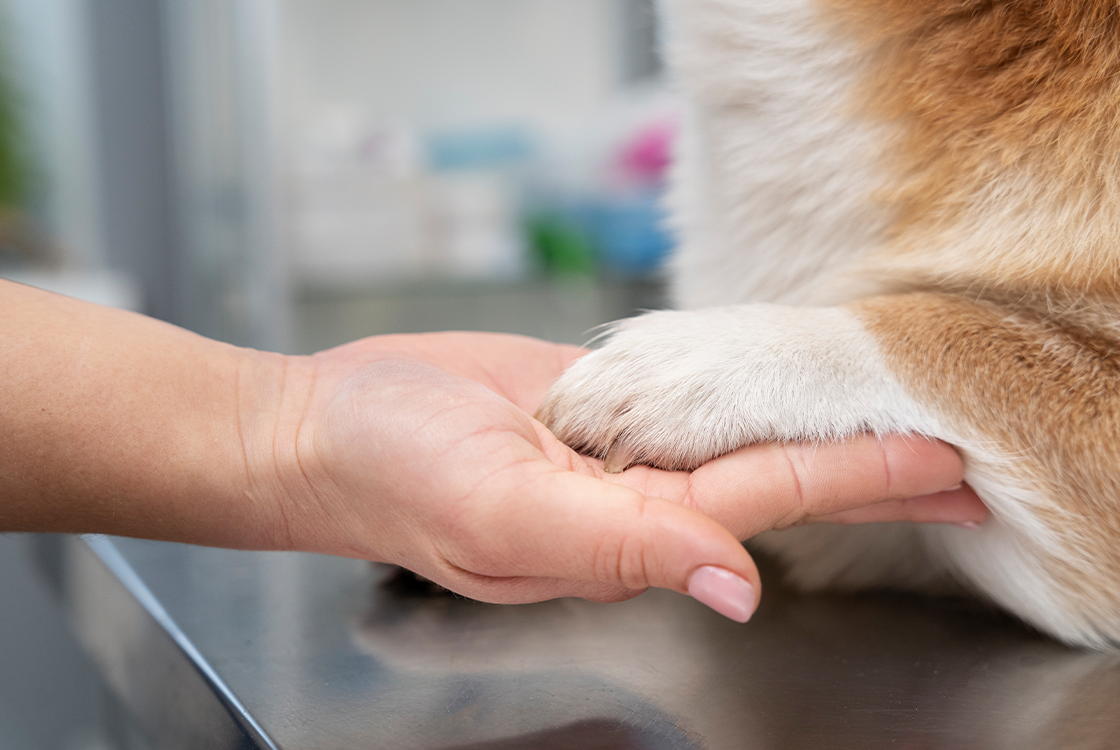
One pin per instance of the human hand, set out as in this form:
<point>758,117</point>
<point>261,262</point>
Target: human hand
<point>420,451</point>
<point>416,450</point>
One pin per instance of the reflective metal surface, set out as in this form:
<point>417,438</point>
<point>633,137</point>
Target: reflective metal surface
<point>212,648</point>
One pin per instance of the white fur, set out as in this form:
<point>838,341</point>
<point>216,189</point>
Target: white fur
<point>685,387</point>
<point>774,177</point>
<point>773,199</point>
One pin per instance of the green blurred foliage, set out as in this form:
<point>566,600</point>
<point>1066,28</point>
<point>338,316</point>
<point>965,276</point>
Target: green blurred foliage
<point>15,163</point>
<point>560,246</point>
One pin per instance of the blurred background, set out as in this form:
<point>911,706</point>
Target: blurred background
<point>291,174</point>
<point>294,174</point>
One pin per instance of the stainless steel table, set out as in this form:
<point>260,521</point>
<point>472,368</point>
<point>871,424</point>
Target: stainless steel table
<point>216,649</point>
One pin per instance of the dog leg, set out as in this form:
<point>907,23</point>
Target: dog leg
<point>1032,405</point>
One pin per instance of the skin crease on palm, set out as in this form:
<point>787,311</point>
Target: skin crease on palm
<point>417,450</point>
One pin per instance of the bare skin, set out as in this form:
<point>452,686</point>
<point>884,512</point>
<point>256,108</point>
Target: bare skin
<point>417,450</point>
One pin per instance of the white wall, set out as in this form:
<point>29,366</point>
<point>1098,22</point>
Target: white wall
<point>449,63</point>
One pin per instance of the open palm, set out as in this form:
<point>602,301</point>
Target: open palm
<point>421,451</point>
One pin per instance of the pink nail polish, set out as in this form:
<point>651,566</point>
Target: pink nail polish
<point>723,591</point>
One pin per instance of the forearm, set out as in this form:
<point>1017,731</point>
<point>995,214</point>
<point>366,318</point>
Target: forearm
<point>121,424</point>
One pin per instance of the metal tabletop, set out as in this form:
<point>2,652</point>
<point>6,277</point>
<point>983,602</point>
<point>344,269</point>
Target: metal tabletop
<point>218,649</point>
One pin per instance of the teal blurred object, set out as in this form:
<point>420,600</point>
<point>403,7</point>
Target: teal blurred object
<point>481,148</point>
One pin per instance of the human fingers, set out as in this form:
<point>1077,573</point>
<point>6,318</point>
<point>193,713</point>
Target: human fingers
<point>574,528</point>
<point>961,507</point>
<point>778,485</point>
<point>530,589</point>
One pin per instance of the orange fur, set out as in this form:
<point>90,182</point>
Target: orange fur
<point>1047,390</point>
<point>1006,168</point>
<point>1007,109</point>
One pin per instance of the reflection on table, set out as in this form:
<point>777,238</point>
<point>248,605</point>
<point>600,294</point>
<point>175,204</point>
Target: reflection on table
<point>235,649</point>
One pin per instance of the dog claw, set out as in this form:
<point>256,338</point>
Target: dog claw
<point>619,457</point>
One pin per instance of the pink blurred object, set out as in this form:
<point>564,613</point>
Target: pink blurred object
<point>645,157</point>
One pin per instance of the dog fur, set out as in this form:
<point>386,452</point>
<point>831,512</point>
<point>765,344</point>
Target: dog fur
<point>895,216</point>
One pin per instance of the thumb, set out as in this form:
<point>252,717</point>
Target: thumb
<point>579,528</point>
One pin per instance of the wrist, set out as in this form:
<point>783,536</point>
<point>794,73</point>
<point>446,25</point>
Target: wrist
<point>274,394</point>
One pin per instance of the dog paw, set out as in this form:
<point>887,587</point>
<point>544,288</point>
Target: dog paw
<point>677,389</point>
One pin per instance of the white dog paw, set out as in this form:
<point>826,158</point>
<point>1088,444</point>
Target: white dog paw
<point>676,389</point>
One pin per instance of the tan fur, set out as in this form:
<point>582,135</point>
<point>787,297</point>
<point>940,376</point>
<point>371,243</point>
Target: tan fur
<point>1007,160</point>
<point>1047,390</point>
<point>1009,115</point>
